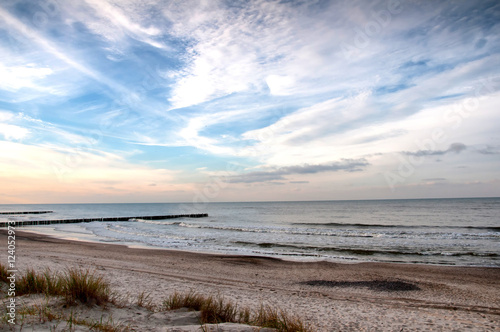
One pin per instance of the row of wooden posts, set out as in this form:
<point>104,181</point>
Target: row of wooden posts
<point>27,212</point>
<point>74,221</point>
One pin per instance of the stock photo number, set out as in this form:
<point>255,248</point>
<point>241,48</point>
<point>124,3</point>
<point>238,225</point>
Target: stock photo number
<point>11,271</point>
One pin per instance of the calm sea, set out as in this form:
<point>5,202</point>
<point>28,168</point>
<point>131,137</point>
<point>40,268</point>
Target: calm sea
<point>431,231</point>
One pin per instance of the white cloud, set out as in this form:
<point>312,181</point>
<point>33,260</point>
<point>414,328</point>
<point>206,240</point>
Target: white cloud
<point>124,21</point>
<point>5,115</point>
<point>323,132</point>
<point>13,132</point>
<point>280,85</point>
<point>190,134</point>
<point>288,49</point>
<point>18,77</point>
<point>309,131</point>
<point>232,48</point>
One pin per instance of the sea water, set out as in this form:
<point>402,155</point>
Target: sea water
<point>430,231</point>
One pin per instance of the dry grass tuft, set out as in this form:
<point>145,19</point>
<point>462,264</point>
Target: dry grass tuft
<point>75,285</point>
<point>214,309</point>
<point>190,300</point>
<point>31,283</point>
<point>54,285</point>
<point>85,286</point>
<point>144,300</point>
<point>277,319</point>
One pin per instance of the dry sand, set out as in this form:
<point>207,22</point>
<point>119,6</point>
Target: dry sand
<point>329,296</point>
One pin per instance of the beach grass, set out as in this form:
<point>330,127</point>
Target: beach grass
<point>74,285</point>
<point>268,316</point>
<point>86,287</point>
<point>144,300</point>
<point>212,309</point>
<point>32,282</point>
<point>215,309</point>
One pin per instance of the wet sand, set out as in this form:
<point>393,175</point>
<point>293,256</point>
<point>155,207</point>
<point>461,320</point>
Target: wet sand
<point>329,296</point>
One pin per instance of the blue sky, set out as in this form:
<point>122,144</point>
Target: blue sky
<point>181,101</point>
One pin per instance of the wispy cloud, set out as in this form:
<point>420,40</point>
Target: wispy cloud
<point>280,173</point>
<point>231,48</point>
<point>454,148</point>
<point>109,13</point>
<point>17,77</point>
<point>13,132</point>
<point>489,150</point>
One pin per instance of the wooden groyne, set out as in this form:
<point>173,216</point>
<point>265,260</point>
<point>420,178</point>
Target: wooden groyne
<point>27,212</point>
<point>74,221</point>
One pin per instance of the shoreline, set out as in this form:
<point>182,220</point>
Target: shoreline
<point>345,297</point>
<point>90,238</point>
<point>135,245</point>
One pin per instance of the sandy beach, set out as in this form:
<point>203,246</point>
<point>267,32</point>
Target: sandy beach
<point>328,296</point>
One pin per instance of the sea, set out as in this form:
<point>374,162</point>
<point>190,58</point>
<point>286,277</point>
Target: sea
<point>461,232</point>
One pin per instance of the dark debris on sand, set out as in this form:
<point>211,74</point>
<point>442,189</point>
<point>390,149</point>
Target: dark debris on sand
<point>377,285</point>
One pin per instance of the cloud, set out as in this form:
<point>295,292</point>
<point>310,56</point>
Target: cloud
<point>228,48</point>
<point>13,132</point>
<point>454,148</point>
<point>49,46</point>
<point>489,150</point>
<point>113,18</point>
<point>280,173</point>
<point>6,115</point>
<point>263,47</point>
<point>255,83</point>
<point>190,134</point>
<point>18,77</point>
<point>280,85</point>
<point>9,129</point>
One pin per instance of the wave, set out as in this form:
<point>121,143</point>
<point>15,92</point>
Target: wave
<point>345,233</point>
<point>325,225</point>
<point>358,225</point>
<point>155,222</point>
<point>290,231</point>
<point>364,251</point>
<point>362,231</point>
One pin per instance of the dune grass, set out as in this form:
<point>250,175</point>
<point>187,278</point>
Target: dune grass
<point>86,287</point>
<point>32,282</point>
<point>74,285</point>
<point>268,316</point>
<point>215,309</point>
<point>212,309</point>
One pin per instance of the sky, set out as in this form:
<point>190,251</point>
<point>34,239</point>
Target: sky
<point>199,101</point>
